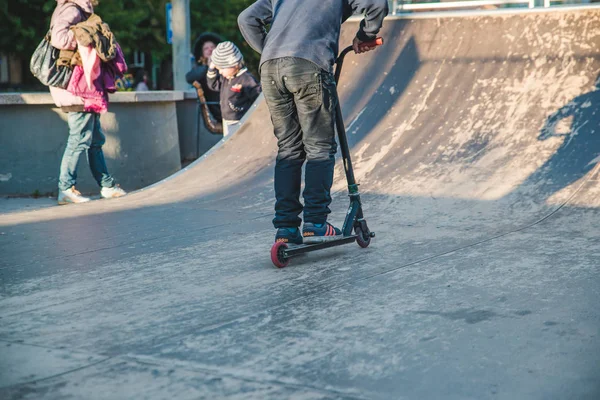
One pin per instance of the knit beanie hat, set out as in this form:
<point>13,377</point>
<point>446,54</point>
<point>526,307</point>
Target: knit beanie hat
<point>226,55</point>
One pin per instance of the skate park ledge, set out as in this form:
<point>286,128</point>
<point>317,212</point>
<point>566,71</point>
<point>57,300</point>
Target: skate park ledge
<point>148,135</point>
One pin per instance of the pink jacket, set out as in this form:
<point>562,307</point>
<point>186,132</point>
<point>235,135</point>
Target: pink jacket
<point>66,15</point>
<point>95,79</point>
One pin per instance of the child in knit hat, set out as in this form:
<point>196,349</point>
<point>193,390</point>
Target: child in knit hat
<point>237,86</point>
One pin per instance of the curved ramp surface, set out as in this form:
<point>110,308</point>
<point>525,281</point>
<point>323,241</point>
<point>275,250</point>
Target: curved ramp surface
<point>475,139</point>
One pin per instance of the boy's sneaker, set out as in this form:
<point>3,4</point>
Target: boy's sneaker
<point>113,192</point>
<point>71,195</point>
<point>288,235</point>
<point>317,233</point>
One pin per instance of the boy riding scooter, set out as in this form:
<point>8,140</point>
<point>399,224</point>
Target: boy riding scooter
<point>298,54</point>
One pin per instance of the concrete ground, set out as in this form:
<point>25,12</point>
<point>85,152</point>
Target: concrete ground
<point>477,153</point>
<point>23,204</point>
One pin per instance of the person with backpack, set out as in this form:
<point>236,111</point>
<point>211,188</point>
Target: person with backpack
<point>85,132</point>
<point>296,70</point>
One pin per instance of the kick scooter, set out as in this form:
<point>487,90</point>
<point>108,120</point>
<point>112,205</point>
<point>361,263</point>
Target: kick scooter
<point>281,252</point>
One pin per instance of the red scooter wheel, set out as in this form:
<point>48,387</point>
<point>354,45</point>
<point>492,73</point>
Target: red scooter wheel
<point>278,255</point>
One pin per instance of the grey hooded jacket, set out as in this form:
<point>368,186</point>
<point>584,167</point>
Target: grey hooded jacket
<point>308,29</point>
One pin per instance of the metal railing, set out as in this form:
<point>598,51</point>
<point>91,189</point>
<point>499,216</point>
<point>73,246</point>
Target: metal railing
<point>402,6</point>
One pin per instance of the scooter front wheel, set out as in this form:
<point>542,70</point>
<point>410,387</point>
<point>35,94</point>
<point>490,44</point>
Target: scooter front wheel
<point>363,240</point>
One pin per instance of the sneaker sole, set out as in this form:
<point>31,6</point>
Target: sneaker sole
<point>289,243</point>
<point>64,202</point>
<point>320,239</point>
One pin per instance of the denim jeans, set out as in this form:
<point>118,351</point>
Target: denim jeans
<point>302,99</point>
<point>85,134</point>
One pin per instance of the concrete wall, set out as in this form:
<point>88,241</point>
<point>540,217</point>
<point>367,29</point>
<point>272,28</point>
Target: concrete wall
<point>142,146</point>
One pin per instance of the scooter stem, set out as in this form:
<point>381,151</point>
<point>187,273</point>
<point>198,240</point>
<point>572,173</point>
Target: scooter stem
<point>339,120</point>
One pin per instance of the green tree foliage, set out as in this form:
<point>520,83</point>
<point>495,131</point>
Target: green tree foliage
<point>137,24</point>
<point>23,23</point>
<point>220,16</point>
<point>141,24</point>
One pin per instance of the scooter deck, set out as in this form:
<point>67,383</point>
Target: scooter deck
<point>296,250</point>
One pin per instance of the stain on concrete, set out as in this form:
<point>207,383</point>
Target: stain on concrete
<point>522,313</point>
<point>5,177</point>
<point>470,316</point>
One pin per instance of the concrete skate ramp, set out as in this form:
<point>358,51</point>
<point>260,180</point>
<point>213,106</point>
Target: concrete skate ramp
<point>475,140</point>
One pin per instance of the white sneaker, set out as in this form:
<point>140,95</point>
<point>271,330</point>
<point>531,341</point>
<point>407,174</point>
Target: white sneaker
<point>71,195</point>
<point>113,192</point>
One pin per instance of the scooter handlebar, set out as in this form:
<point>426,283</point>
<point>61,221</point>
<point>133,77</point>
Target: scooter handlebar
<point>373,43</point>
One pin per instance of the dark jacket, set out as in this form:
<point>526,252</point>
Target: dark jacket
<point>199,74</point>
<point>237,94</point>
<point>308,29</point>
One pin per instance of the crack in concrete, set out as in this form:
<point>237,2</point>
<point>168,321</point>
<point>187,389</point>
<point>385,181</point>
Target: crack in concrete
<point>166,364</point>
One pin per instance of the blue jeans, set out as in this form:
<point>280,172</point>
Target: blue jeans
<point>302,100</point>
<point>85,133</point>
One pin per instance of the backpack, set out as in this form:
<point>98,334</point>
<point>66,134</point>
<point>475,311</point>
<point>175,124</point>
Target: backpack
<point>44,63</point>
